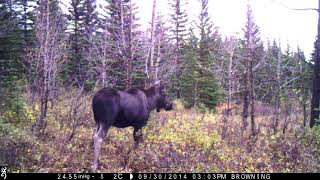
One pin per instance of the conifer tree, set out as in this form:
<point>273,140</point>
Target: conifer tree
<point>11,66</point>
<point>199,84</point>
<point>207,54</point>
<point>303,83</point>
<point>179,31</point>
<point>83,22</point>
<point>125,43</point>
<point>190,74</point>
<point>251,44</point>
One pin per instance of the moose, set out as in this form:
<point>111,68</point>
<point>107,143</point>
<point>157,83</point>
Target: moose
<point>122,109</point>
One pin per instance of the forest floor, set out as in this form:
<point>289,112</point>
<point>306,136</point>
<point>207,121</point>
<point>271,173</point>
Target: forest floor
<point>183,140</point>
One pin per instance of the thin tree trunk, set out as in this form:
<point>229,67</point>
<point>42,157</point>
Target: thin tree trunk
<point>315,102</point>
<point>176,58</point>
<point>150,70</point>
<point>253,131</point>
<point>277,93</point>
<point>25,26</point>
<point>122,26</point>
<point>104,58</point>
<point>45,89</point>
<point>153,27</point>
<point>122,49</point>
<point>158,60</point>
<point>47,56</point>
<point>195,93</point>
<point>229,83</point>
<point>245,112</point>
<point>129,67</point>
<point>304,107</point>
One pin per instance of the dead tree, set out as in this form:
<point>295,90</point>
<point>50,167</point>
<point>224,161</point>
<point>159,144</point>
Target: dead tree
<point>47,55</point>
<point>99,58</point>
<point>278,91</point>
<point>315,102</point>
<point>231,46</point>
<point>252,45</point>
<point>149,63</point>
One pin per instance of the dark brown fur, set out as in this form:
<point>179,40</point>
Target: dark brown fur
<point>122,109</point>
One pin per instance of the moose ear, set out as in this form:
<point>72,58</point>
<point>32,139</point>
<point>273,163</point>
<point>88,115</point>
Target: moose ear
<point>157,84</point>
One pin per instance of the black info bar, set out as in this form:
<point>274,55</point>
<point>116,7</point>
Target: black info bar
<point>158,176</point>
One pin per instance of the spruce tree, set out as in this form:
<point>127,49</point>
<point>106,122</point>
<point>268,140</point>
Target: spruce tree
<point>83,23</point>
<point>26,17</point>
<point>125,43</point>
<point>179,31</point>
<point>199,85</point>
<point>190,74</point>
<point>75,65</point>
<point>252,45</point>
<point>11,64</point>
<point>208,50</point>
<point>302,86</point>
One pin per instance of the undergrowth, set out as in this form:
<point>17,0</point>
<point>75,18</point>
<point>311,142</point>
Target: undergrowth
<point>183,140</point>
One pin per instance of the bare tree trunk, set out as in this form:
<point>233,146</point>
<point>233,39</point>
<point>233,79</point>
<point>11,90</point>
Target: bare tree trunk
<point>123,42</point>
<point>46,57</point>
<point>158,59</point>
<point>150,70</point>
<point>229,84</point>
<point>123,46</point>
<point>253,131</point>
<point>75,112</point>
<point>196,88</point>
<point>303,101</point>
<point>245,112</point>
<point>230,50</point>
<point>286,121</point>
<point>100,59</point>
<point>129,65</point>
<point>153,27</point>
<point>315,102</point>
<point>277,93</point>
<point>304,107</point>
<point>45,90</point>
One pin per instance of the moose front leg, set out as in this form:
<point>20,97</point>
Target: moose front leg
<point>138,137</point>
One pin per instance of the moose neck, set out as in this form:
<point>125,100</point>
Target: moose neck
<point>152,98</point>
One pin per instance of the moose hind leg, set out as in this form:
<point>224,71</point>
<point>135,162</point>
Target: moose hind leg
<point>137,137</point>
<point>95,132</point>
<point>98,137</point>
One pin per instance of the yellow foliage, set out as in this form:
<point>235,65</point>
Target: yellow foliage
<point>182,140</point>
<point>178,105</point>
<point>31,114</point>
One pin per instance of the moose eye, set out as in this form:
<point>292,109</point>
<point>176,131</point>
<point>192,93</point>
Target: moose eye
<point>164,91</point>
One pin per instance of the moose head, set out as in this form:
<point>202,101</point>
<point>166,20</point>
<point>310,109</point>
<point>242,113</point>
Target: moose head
<point>162,101</point>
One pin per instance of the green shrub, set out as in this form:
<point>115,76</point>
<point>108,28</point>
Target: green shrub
<point>12,103</point>
<point>316,131</point>
<point>89,85</point>
<point>8,129</point>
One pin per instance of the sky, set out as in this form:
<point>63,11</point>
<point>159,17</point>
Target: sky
<point>274,17</point>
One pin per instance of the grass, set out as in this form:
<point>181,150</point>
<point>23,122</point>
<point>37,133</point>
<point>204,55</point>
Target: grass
<point>183,140</point>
